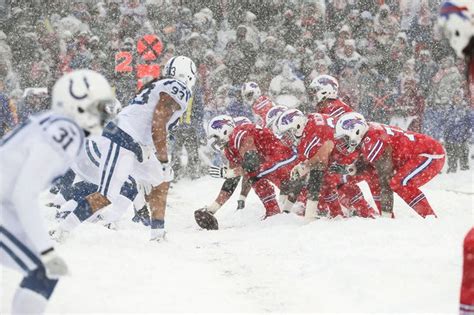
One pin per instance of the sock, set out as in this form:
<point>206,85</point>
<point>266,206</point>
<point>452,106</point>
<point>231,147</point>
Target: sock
<point>416,200</point>
<point>266,193</point>
<point>362,207</point>
<point>28,302</point>
<point>423,208</point>
<point>311,209</point>
<point>113,213</point>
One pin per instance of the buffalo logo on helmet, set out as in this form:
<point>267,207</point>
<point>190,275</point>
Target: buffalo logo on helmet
<point>218,124</point>
<point>275,111</point>
<point>351,123</point>
<point>253,85</point>
<point>288,118</point>
<point>326,81</point>
<point>449,8</point>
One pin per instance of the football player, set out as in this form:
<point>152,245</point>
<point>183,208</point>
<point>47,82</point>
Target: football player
<point>255,153</point>
<point>252,96</point>
<point>32,156</point>
<point>457,21</point>
<point>313,138</point>
<point>136,146</point>
<point>404,160</point>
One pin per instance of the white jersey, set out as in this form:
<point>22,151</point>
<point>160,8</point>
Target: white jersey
<point>136,119</point>
<point>88,162</point>
<point>32,156</point>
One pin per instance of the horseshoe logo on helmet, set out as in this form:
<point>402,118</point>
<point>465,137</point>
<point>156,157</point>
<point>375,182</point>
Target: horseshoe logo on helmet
<point>76,96</point>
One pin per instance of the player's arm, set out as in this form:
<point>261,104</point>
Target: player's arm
<point>250,158</point>
<point>163,112</point>
<point>30,183</point>
<point>384,168</point>
<point>318,161</point>
<point>244,192</point>
<point>227,189</point>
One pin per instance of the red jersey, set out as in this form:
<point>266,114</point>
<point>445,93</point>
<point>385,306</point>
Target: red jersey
<point>261,107</point>
<point>335,108</point>
<point>270,149</point>
<point>405,144</point>
<point>318,130</point>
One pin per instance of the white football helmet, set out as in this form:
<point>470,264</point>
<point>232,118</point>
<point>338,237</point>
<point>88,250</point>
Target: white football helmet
<point>273,114</point>
<point>456,19</point>
<point>83,96</point>
<point>324,87</point>
<point>219,130</point>
<point>349,132</point>
<point>181,68</point>
<point>241,120</point>
<point>290,125</point>
<point>250,92</point>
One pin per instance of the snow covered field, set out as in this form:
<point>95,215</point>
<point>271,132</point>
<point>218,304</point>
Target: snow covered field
<point>282,264</point>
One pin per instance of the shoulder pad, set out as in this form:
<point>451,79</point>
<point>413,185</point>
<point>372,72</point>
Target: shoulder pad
<point>176,89</point>
<point>64,134</point>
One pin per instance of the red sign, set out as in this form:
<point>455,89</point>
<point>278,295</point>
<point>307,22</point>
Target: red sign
<point>149,47</point>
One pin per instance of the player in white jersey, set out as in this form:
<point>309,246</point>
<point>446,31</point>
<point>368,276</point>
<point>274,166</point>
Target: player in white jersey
<point>32,156</point>
<point>136,146</point>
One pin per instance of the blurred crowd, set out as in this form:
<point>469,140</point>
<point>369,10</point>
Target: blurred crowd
<point>392,64</point>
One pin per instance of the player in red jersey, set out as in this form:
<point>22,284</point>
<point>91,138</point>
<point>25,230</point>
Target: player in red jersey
<point>457,21</point>
<point>404,160</point>
<point>313,137</point>
<point>324,90</point>
<point>256,153</point>
<point>252,96</point>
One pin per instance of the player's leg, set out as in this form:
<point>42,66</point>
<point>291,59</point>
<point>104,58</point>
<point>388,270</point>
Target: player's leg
<point>36,288</point>
<point>266,193</point>
<point>128,193</point>
<point>330,195</point>
<point>352,198</point>
<point>415,173</point>
<point>467,285</point>
<point>115,167</point>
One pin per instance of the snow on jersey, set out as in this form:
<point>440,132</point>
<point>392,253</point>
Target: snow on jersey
<point>270,149</point>
<point>136,119</point>
<point>58,135</point>
<point>261,107</point>
<point>335,108</point>
<point>318,130</point>
<point>405,144</point>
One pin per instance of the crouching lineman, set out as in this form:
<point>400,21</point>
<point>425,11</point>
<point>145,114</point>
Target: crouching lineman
<point>31,157</point>
<point>313,137</point>
<point>255,153</point>
<point>404,160</point>
<point>457,21</point>
<point>136,146</point>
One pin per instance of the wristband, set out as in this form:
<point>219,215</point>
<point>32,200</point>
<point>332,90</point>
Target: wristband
<point>214,207</point>
<point>242,197</point>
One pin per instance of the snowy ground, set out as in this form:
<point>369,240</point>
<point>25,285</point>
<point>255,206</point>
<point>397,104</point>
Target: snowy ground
<point>280,265</point>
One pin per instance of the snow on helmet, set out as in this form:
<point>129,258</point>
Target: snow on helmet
<point>456,19</point>
<point>181,68</point>
<point>273,114</point>
<point>324,87</point>
<point>290,125</point>
<point>219,130</point>
<point>83,95</point>
<point>349,132</point>
<point>241,120</point>
<point>250,92</point>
